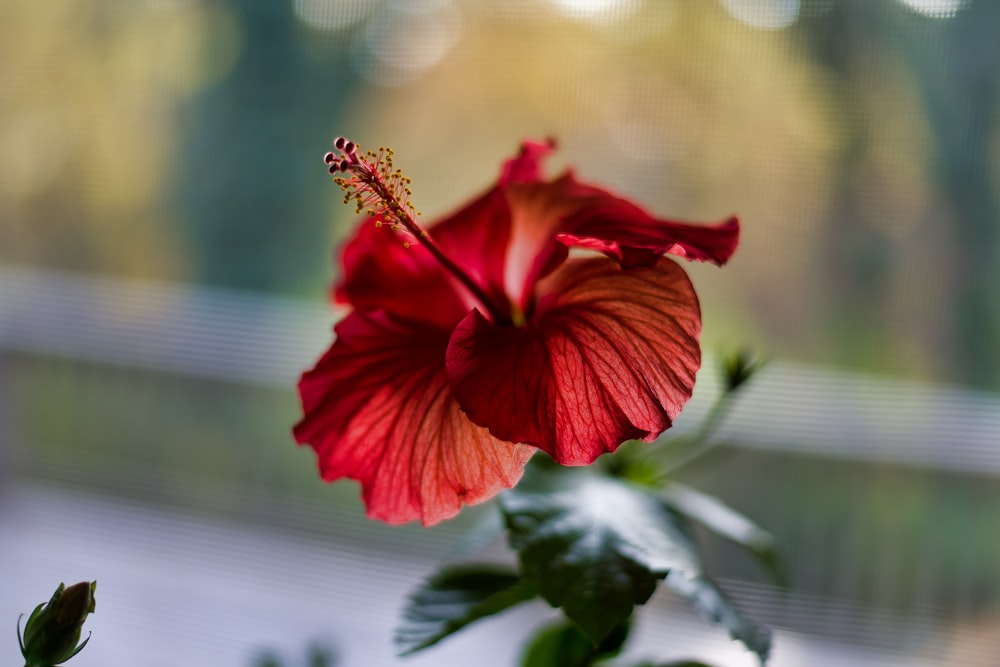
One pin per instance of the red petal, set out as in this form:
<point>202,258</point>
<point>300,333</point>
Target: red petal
<point>381,274</point>
<point>475,237</point>
<point>548,217</point>
<point>610,355</point>
<point>526,166</point>
<point>628,234</point>
<point>538,212</point>
<point>378,409</point>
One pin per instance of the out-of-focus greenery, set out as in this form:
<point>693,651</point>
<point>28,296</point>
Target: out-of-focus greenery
<point>884,537</point>
<point>181,139</point>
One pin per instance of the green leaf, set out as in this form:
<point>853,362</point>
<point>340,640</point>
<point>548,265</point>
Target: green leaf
<point>566,645</point>
<point>715,607</point>
<point>268,660</point>
<point>725,522</point>
<point>455,597</point>
<point>593,545</point>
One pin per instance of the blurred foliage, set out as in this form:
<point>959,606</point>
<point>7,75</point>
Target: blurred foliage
<point>317,655</point>
<point>181,138</point>
<point>249,166</point>
<point>883,536</point>
<point>88,128</point>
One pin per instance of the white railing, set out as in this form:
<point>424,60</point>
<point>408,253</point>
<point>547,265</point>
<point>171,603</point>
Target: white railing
<point>264,339</point>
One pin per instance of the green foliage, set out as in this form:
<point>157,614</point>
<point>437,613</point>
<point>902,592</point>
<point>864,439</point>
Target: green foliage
<point>564,644</point>
<point>316,656</point>
<point>455,597</point>
<point>713,605</point>
<point>725,522</point>
<point>594,546</point>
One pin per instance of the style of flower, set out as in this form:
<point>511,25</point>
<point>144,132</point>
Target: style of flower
<point>478,339</point>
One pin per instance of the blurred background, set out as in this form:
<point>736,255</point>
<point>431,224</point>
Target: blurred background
<point>167,232</point>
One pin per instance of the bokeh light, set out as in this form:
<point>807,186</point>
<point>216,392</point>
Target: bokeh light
<point>403,40</point>
<point>767,14</point>
<point>939,9</point>
<point>334,14</point>
<point>598,10</point>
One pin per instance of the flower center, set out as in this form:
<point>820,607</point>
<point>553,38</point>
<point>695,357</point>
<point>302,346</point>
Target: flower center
<point>383,192</point>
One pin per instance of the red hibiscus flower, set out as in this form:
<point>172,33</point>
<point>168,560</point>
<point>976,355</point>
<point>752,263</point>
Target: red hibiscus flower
<point>478,339</point>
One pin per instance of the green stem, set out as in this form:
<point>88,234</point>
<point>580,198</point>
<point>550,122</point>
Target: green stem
<point>683,451</point>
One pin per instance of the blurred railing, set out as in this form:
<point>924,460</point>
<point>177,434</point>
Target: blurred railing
<point>848,581</point>
<point>252,338</point>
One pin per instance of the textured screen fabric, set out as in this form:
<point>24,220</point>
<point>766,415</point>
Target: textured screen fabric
<point>169,235</point>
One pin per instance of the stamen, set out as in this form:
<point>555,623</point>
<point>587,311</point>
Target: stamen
<point>383,192</point>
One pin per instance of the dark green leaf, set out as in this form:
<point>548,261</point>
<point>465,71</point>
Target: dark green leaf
<point>455,597</point>
<point>594,546</point>
<point>268,660</point>
<point>715,607</point>
<point>566,645</point>
<point>320,656</point>
<point>726,522</point>
<point>562,644</point>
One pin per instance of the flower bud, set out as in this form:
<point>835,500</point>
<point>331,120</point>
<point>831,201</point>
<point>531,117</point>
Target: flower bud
<point>738,367</point>
<point>53,629</point>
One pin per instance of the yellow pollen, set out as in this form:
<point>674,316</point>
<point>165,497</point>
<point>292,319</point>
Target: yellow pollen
<point>517,315</point>
<point>382,191</point>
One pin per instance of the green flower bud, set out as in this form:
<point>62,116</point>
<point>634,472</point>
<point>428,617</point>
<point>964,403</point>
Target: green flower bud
<point>53,629</point>
<point>738,367</point>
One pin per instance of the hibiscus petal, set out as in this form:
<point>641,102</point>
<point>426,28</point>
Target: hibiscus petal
<point>378,409</point>
<point>381,274</point>
<point>546,218</point>
<point>476,236</point>
<point>609,355</point>
<point>625,232</point>
<point>541,213</point>
<point>526,166</point>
